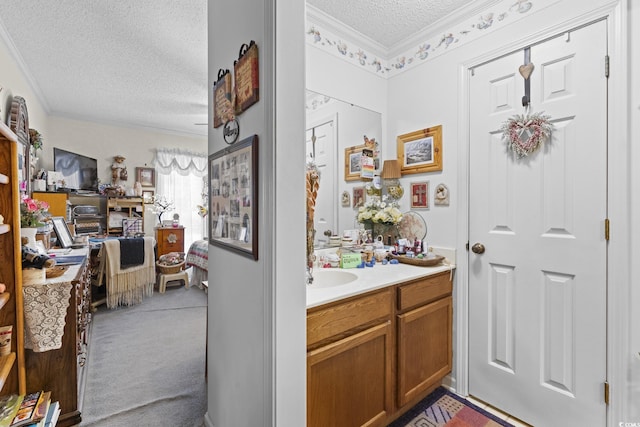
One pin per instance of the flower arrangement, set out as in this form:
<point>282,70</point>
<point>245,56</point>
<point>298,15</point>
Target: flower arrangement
<point>35,138</point>
<point>380,211</point>
<point>32,212</point>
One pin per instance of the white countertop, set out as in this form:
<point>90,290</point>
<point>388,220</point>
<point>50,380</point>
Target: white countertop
<point>370,278</point>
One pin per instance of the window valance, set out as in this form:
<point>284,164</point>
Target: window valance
<point>182,161</point>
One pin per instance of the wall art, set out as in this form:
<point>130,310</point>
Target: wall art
<point>245,70</point>
<point>420,195</point>
<point>222,100</point>
<point>233,198</point>
<point>420,151</point>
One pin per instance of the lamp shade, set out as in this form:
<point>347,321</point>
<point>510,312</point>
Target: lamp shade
<point>390,169</point>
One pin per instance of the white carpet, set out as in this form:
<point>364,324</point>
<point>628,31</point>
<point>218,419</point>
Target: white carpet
<point>146,363</point>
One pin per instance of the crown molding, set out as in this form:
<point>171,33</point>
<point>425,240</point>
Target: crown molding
<point>341,29</point>
<point>13,51</point>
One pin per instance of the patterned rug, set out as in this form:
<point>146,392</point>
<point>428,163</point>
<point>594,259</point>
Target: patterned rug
<point>442,408</point>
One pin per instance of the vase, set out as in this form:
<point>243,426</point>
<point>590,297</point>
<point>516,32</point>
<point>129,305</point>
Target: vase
<point>29,233</point>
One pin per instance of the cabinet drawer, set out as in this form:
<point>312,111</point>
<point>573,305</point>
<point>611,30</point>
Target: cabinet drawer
<point>337,319</point>
<point>424,291</point>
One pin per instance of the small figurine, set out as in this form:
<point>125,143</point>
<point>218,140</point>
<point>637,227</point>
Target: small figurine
<point>32,259</point>
<point>118,170</point>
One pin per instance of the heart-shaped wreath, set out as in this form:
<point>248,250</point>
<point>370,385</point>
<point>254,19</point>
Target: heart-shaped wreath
<point>536,127</point>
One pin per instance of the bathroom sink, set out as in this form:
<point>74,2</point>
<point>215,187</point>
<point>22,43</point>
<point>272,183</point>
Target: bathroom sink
<point>327,278</point>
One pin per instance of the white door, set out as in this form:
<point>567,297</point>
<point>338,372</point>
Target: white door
<point>323,152</point>
<point>537,295</point>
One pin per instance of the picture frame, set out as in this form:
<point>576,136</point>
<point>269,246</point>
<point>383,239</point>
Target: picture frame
<point>65,240</point>
<point>359,197</point>
<point>146,176</point>
<point>353,162</point>
<point>420,151</point>
<point>420,195</point>
<point>233,198</point>
<point>147,197</point>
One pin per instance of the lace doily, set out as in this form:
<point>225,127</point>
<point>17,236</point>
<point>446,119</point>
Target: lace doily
<point>45,309</point>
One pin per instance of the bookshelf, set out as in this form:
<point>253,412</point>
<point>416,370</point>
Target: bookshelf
<point>12,366</point>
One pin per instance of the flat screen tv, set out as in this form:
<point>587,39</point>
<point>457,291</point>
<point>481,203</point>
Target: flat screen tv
<point>79,172</point>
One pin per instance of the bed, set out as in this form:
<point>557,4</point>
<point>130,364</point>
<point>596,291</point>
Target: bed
<point>198,258</point>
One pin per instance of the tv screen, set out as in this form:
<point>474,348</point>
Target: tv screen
<point>79,172</point>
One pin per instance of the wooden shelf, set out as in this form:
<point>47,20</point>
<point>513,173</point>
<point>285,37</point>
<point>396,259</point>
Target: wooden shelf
<point>4,297</point>
<point>4,179</point>
<point>4,228</point>
<point>6,363</point>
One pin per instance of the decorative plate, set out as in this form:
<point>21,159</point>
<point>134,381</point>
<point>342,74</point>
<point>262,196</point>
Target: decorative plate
<point>412,226</point>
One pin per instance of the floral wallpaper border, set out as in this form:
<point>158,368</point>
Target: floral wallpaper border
<point>503,13</point>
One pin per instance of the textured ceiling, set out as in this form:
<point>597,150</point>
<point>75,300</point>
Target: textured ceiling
<point>388,22</point>
<point>139,63</point>
<point>143,63</point>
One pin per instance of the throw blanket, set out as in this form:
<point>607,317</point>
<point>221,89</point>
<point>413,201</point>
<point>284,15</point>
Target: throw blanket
<point>198,258</point>
<point>131,252</point>
<point>126,286</point>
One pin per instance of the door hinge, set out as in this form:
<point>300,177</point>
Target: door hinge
<point>606,393</point>
<point>467,246</point>
<point>606,229</point>
<point>606,66</point>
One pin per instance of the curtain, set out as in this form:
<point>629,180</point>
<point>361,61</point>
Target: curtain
<point>181,177</point>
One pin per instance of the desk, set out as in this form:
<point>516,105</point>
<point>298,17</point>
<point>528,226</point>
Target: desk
<point>60,369</point>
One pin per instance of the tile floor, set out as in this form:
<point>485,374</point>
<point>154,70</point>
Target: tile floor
<point>504,416</point>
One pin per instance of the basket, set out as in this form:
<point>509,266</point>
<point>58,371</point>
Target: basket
<point>421,262</point>
<point>169,269</point>
<point>56,271</point>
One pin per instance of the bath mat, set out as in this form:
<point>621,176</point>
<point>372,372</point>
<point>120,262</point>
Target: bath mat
<point>442,408</point>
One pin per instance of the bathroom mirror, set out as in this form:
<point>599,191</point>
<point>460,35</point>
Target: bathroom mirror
<point>332,126</point>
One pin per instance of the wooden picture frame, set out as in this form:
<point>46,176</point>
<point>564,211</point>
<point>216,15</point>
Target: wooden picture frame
<point>146,177</point>
<point>245,73</point>
<point>353,162</point>
<point>359,197</point>
<point>233,198</point>
<point>420,151</point>
<point>419,195</point>
<point>222,106</point>
<point>19,124</point>
<point>147,197</point>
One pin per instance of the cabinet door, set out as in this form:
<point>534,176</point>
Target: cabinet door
<point>424,348</point>
<point>349,381</point>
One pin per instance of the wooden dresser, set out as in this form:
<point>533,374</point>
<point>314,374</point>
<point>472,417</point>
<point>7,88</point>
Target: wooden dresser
<point>169,239</point>
<point>61,370</point>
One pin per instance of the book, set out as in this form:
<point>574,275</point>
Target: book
<point>27,411</point>
<point>52,416</point>
<point>9,406</point>
<point>41,410</point>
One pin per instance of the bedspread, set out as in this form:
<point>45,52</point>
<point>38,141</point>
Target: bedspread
<point>198,258</point>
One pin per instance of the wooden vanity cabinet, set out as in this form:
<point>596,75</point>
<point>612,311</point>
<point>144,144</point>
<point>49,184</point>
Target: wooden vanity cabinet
<point>371,357</point>
<point>349,362</point>
<point>425,329</point>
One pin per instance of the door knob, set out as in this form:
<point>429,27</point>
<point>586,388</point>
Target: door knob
<point>478,248</point>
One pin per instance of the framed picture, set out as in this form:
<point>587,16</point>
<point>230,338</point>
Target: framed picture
<point>420,195</point>
<point>62,232</point>
<point>147,197</point>
<point>233,198</point>
<point>146,177</point>
<point>420,151</point>
<point>359,195</point>
<point>353,162</point>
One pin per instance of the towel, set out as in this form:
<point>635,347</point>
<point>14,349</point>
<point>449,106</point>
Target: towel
<point>131,252</point>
